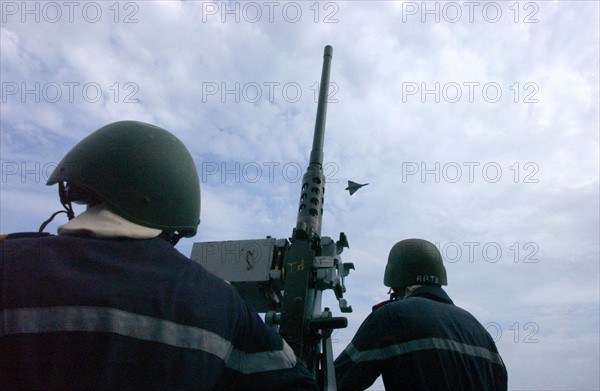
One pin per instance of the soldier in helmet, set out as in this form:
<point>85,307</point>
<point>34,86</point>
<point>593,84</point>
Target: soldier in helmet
<point>108,303</point>
<point>419,340</point>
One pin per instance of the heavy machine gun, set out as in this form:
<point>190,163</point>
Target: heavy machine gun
<point>285,278</point>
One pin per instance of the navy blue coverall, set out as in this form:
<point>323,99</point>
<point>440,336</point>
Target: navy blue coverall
<point>82,313</point>
<point>423,342</point>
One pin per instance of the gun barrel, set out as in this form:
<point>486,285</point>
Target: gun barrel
<point>316,155</point>
<point>310,212</point>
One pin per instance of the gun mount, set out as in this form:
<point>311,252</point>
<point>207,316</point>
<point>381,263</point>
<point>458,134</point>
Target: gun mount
<point>285,278</point>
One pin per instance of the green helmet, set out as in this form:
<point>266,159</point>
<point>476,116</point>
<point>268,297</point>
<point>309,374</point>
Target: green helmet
<point>414,262</point>
<point>142,172</point>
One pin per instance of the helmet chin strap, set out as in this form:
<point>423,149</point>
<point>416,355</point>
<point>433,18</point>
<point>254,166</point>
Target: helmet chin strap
<point>175,238</point>
<point>66,203</point>
<point>402,293</point>
<point>171,237</point>
<point>393,294</point>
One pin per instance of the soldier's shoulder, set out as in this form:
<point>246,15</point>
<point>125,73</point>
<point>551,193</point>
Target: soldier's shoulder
<point>23,235</point>
<point>379,305</point>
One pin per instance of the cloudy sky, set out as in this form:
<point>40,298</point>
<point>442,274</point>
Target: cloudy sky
<point>476,125</point>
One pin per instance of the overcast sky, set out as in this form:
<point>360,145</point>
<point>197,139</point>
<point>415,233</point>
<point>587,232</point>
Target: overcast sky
<point>476,125</point>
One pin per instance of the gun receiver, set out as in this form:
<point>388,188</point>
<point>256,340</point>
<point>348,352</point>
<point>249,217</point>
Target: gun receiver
<point>285,278</point>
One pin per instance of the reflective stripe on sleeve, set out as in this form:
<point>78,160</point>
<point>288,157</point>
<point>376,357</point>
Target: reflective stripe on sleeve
<point>421,344</point>
<point>262,361</point>
<point>112,320</point>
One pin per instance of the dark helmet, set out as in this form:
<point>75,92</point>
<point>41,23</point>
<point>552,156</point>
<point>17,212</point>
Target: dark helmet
<point>142,172</point>
<point>414,262</point>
